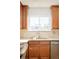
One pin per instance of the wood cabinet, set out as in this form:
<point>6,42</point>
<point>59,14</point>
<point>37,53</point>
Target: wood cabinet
<point>24,20</point>
<point>33,58</point>
<point>23,16</point>
<point>39,50</point>
<point>55,17</point>
<point>43,50</point>
<point>33,50</point>
<point>44,58</point>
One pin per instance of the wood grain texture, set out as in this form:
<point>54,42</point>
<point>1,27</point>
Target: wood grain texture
<point>23,16</point>
<point>39,50</point>
<point>55,17</point>
<point>44,50</point>
<point>25,11</point>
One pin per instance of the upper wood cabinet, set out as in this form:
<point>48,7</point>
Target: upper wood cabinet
<point>25,10</point>
<point>23,16</point>
<point>55,17</point>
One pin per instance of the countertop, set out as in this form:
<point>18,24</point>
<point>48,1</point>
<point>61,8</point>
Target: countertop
<point>42,35</point>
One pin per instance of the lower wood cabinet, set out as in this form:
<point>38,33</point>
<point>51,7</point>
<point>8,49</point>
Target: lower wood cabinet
<point>33,50</point>
<point>43,50</point>
<point>44,58</point>
<point>38,57</point>
<point>39,50</point>
<point>33,58</point>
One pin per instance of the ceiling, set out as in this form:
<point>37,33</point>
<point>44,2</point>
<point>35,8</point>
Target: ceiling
<point>39,3</point>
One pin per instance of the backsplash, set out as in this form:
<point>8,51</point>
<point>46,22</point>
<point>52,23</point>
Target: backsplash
<point>39,35</point>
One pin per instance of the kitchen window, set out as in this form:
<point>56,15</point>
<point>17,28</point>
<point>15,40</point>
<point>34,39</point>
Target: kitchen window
<point>39,19</point>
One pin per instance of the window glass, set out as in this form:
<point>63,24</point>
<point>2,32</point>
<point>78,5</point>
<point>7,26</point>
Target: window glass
<point>44,21</point>
<point>39,19</point>
<point>34,21</point>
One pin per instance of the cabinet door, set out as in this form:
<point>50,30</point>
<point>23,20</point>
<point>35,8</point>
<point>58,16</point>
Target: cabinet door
<point>34,50</point>
<point>44,50</point>
<point>33,58</point>
<point>26,58</point>
<point>55,17</point>
<point>34,42</point>
<point>44,57</point>
<point>44,42</point>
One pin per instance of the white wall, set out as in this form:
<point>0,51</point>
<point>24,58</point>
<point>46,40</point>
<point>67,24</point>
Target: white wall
<point>39,11</point>
<point>40,3</point>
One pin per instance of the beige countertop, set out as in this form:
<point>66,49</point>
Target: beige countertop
<point>26,40</point>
